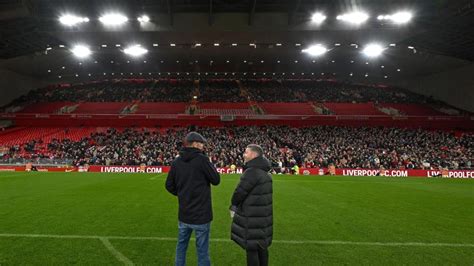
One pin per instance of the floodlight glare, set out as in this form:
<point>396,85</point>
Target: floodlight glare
<point>356,17</point>
<point>72,20</point>
<point>401,17</point>
<point>143,19</point>
<point>135,50</point>
<point>373,50</point>
<point>113,19</point>
<point>81,51</point>
<point>318,18</point>
<point>315,50</point>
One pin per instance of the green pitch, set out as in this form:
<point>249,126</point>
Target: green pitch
<point>115,219</point>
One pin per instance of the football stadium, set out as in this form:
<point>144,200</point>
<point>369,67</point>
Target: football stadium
<point>236,132</point>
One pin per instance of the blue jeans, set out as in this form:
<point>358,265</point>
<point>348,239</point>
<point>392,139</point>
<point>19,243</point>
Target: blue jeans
<point>202,243</point>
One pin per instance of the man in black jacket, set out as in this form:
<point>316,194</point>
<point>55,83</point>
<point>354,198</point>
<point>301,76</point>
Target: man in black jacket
<point>252,207</point>
<point>189,178</point>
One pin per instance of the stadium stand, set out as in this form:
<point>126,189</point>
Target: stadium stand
<point>137,96</point>
<point>349,147</point>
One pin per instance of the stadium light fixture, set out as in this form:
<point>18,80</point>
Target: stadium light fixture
<point>113,19</point>
<point>135,50</point>
<point>81,51</point>
<point>315,50</point>
<point>143,19</point>
<point>318,18</point>
<point>373,50</point>
<point>72,20</point>
<point>401,17</point>
<point>356,17</point>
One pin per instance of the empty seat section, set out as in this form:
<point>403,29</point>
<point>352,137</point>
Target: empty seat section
<point>224,105</point>
<point>100,108</point>
<point>225,112</point>
<point>353,109</point>
<point>224,109</point>
<point>27,134</point>
<point>288,108</point>
<point>74,134</point>
<point>413,109</point>
<point>161,108</point>
<point>44,108</point>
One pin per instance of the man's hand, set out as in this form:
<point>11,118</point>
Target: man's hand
<point>232,213</point>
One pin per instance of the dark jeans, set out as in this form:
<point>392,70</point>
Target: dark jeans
<point>202,243</point>
<point>257,257</point>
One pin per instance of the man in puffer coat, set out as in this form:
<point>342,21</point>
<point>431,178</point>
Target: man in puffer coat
<point>252,207</point>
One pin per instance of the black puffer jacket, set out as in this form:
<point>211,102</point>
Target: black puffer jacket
<point>189,178</point>
<point>252,226</point>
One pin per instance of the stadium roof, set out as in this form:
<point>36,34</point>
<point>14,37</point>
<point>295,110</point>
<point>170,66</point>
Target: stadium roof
<point>268,37</point>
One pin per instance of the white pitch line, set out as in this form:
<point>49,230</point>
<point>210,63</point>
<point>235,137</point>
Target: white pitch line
<point>119,256</point>
<point>293,242</point>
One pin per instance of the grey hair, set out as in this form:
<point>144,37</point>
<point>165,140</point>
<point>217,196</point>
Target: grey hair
<point>256,148</point>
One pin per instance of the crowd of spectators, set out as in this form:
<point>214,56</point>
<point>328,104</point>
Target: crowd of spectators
<point>345,147</point>
<point>266,90</point>
<point>219,90</point>
<point>143,90</point>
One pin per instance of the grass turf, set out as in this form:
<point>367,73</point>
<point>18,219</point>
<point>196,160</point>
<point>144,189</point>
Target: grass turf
<point>359,209</point>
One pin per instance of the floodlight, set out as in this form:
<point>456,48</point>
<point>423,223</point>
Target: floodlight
<point>135,50</point>
<point>356,17</point>
<point>113,19</point>
<point>72,20</point>
<point>373,50</point>
<point>81,51</point>
<point>315,50</point>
